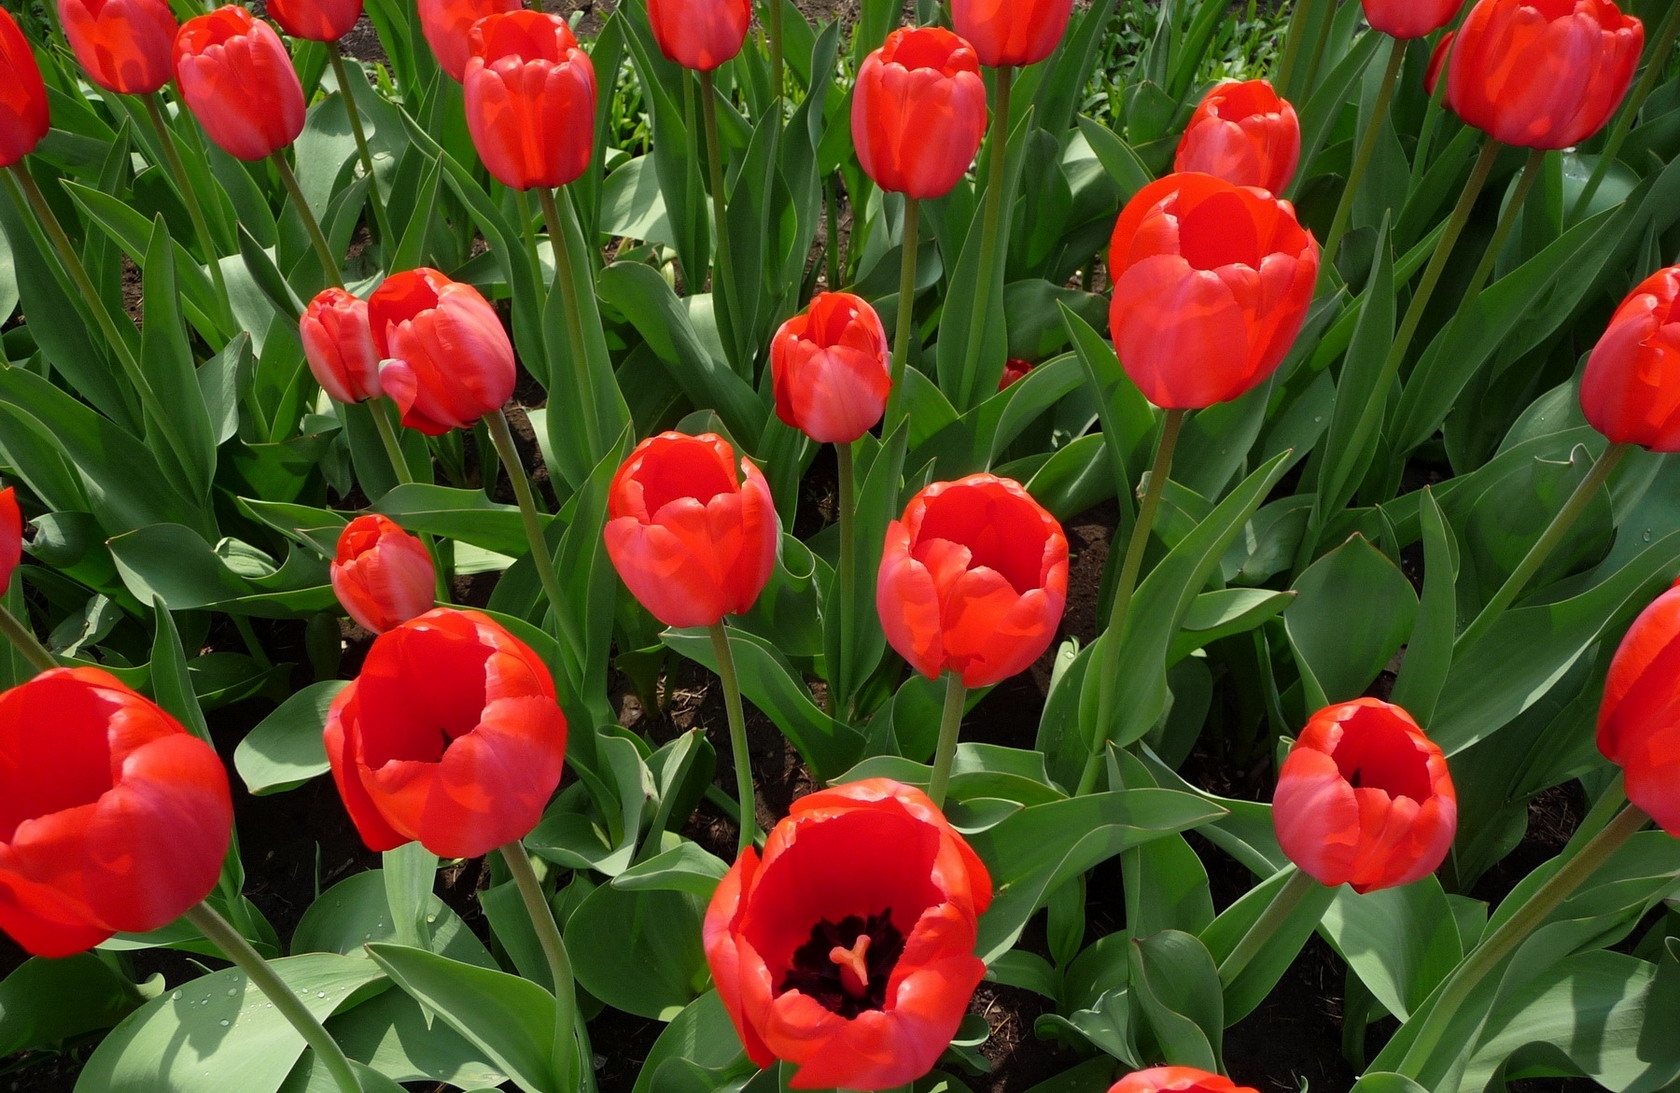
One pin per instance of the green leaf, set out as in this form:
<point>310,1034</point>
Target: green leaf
<point>467,515</point>
<point>1262,974</point>
<point>639,951</point>
<point>1228,611</point>
<point>1401,942</point>
<point>1358,402</point>
<point>701,1035</point>
<point>1175,987</point>
<point>393,1035</point>
<point>285,750</point>
<point>166,362</point>
<point>1428,659</point>
<point>686,867</point>
<point>1354,610</point>
<point>45,1001</point>
<point>355,911</point>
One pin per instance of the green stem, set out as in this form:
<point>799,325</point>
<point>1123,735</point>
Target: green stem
<point>847,504</point>
<point>266,979</point>
<point>1129,570</point>
<point>566,276</point>
<point>1276,914</point>
<point>323,249</point>
<point>381,411</point>
<point>1362,159</point>
<point>950,724</point>
<point>1662,45</point>
<point>249,636</point>
<point>1432,115</point>
<point>502,438</point>
<point>354,114</point>
<point>553,946</point>
<point>24,638</point>
<point>189,197</point>
<point>1543,547</point>
<point>1502,231</point>
<point>906,315</point>
<point>737,737</point>
<point>980,305</point>
<point>723,270</point>
<point>528,228</point>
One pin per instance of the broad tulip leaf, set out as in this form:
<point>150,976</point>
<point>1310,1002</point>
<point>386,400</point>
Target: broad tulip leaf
<point>393,1035</point>
<point>701,1034</point>
<point>1428,659</point>
<point>356,911</point>
<point>466,515</point>
<point>686,867</point>
<point>285,750</point>
<point>1175,993</point>
<point>1261,975</point>
<point>44,1001</point>
<point>639,951</point>
<point>1401,942</point>
<point>1354,610</point>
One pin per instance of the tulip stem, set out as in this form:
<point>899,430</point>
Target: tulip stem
<point>1502,230</point>
<point>566,274</point>
<point>27,643</point>
<point>1661,45</point>
<point>323,249</point>
<point>723,270</point>
<point>354,113</point>
<point>1277,912</point>
<point>1496,946</point>
<point>1543,547</point>
<point>1362,159</point>
<point>502,437</point>
<point>263,976</point>
<point>980,306</point>
<point>950,724</point>
<point>847,503</point>
<point>554,951</point>
<point>399,466</point>
<point>737,737</point>
<point>189,198</point>
<point>1129,570</point>
<point>906,319</point>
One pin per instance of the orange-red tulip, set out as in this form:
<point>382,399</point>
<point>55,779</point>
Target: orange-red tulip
<point>693,534</point>
<point>1543,73</point>
<point>1410,18</point>
<point>23,104</point>
<point>11,537</point>
<point>316,20</point>
<point>530,98</point>
<point>382,575</point>
<point>919,112</point>
<point>1639,720</point>
<point>1176,1079</point>
<point>699,34</point>
<point>444,357</point>
<point>973,580</point>
<point>1014,371</point>
<point>1364,798</point>
<point>236,78</point>
<point>451,736</point>
<point>113,818</point>
<point>338,344</point>
<point>447,25</point>
<point>1631,389</point>
<point>829,367</point>
<point>1243,133</point>
<point>1211,285</point>
<point>125,45</point>
<point>848,949</point>
<point>1011,32</point>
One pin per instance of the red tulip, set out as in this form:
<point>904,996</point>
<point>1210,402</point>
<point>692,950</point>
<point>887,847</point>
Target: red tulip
<point>848,949</point>
<point>23,106</point>
<point>1365,798</point>
<point>112,816</point>
<point>692,538</point>
<point>1639,720</point>
<point>382,575</point>
<point>1543,73</point>
<point>236,78</point>
<point>444,356</point>
<point>451,736</point>
<point>973,579</point>
<point>530,97</point>
<point>316,20</point>
<point>338,344</point>
<point>1245,134</point>
<point>1011,32</point>
<point>1211,285</point>
<point>11,537</point>
<point>447,25</point>
<point>1410,18</point>
<point>829,365</point>
<point>919,112</point>
<point>1013,371</point>
<point>124,45</point>
<point>699,34</point>
<point>1631,389</point>
<point>1437,61</point>
<point>1176,1079</point>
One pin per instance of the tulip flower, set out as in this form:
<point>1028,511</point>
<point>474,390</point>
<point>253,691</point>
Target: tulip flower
<point>23,109</point>
<point>1639,719</point>
<point>1245,134</point>
<point>444,357</point>
<point>699,34</point>
<point>112,816</point>
<point>1631,389</point>
<point>530,99</point>
<point>1405,19</point>
<point>382,575</point>
<point>1176,1079</point>
<point>11,537</point>
<point>1011,32</point>
<point>973,580</point>
<point>848,948</point>
<point>338,344</point>
<point>237,79</point>
<point>1364,798</point>
<point>451,736</point>
<point>1212,283</point>
<point>447,25</point>
<point>1014,370</point>
<point>125,45</point>
<point>316,20</point>
<point>829,365</point>
<point>692,532</point>
<point>1543,74</point>
<point>919,112</point>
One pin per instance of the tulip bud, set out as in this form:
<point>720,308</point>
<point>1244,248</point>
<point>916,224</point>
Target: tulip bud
<point>338,344</point>
<point>316,20</point>
<point>1014,370</point>
<point>23,109</point>
<point>1631,389</point>
<point>973,580</point>
<point>1177,1079</point>
<point>447,25</point>
<point>1364,798</point>
<point>918,112</point>
<point>1245,134</point>
<point>1406,19</point>
<point>829,367</point>
<point>446,360</point>
<point>123,44</point>
<point>699,34</point>
<point>11,537</point>
<point>530,99</point>
<point>382,575</point>
<point>1011,32</point>
<point>692,537</point>
<point>1639,719</point>
<point>236,78</point>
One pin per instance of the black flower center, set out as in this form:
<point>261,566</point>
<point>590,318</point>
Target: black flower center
<point>845,965</point>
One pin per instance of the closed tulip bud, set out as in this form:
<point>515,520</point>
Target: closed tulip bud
<point>530,98</point>
<point>699,34</point>
<point>919,112</point>
<point>113,818</point>
<point>1245,134</point>
<point>451,736</point>
<point>445,358</point>
<point>1212,282</point>
<point>973,580</point>
<point>1631,389</point>
<point>125,45</point>
<point>338,344</point>
<point>1011,32</point>
<point>1639,719</point>
<point>23,109</point>
<point>316,20</point>
<point>381,574</point>
<point>1014,371</point>
<point>447,25</point>
<point>1543,73</point>
<point>1406,19</point>
<point>693,534</point>
<point>848,948</point>
<point>829,366</point>
<point>237,80</point>
<point>1364,798</point>
<point>11,537</point>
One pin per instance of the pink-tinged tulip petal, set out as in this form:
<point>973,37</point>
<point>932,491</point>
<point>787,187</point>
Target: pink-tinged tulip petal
<point>530,99</point>
<point>237,79</point>
<point>1011,32</point>
<point>699,34</point>
<point>1176,1079</point>
<point>919,112</point>
<point>125,45</point>
<point>829,369</point>
<point>338,344</point>
<point>447,360</point>
<point>1245,134</point>
<point>447,25</point>
<point>1639,719</point>
<point>381,574</point>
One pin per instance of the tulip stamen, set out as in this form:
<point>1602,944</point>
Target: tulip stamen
<point>846,965</point>
<point>854,968</point>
